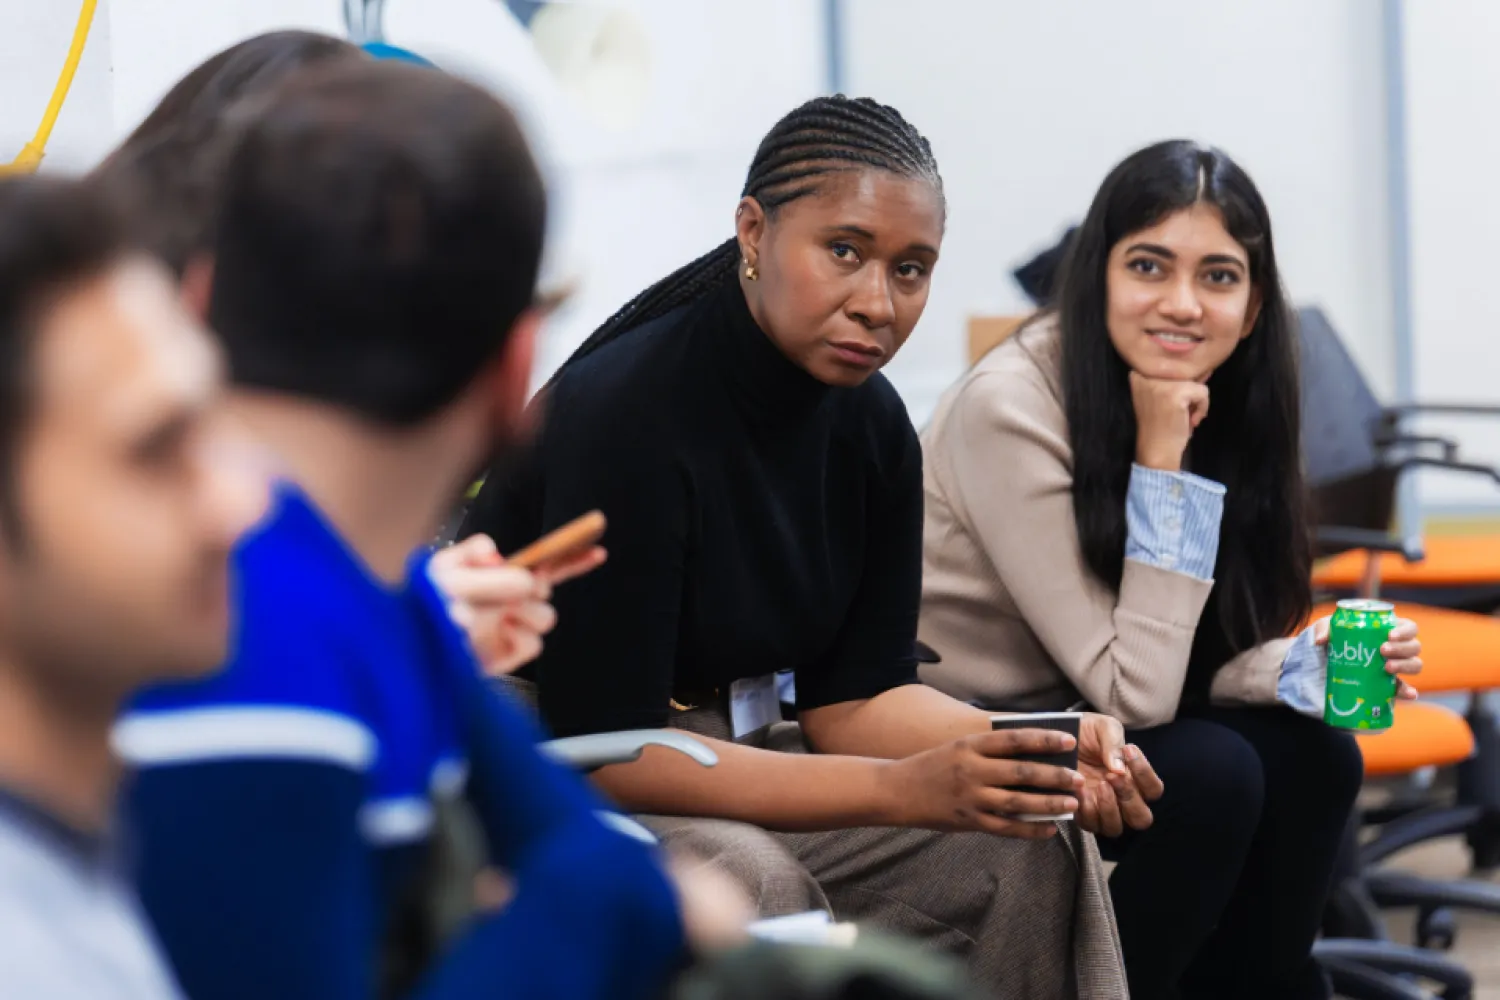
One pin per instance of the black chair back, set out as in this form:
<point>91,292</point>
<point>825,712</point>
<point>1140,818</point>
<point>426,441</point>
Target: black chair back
<point>1351,484</point>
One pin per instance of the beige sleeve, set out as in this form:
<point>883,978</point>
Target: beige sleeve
<point>1011,477</point>
<point>1251,678</point>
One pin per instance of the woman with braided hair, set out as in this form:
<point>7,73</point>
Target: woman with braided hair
<point>763,485</point>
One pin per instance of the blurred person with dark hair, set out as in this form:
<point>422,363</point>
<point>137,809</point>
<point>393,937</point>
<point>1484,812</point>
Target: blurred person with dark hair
<point>167,169</point>
<point>122,493</point>
<point>166,178</point>
<point>1038,276</point>
<point>313,818</point>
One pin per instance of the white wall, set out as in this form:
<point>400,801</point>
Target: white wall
<point>1028,104</point>
<point>156,41</point>
<point>1453,157</point>
<point>34,40</point>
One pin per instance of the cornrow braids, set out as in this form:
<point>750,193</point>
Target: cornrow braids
<point>824,136</point>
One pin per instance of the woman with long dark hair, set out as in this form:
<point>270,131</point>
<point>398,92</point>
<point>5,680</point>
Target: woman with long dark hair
<point>1115,513</point>
<point>763,485</point>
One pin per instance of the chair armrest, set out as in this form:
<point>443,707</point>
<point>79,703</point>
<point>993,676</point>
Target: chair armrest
<point>1334,536</point>
<point>1473,468</point>
<point>1405,465</point>
<point>1388,440</point>
<point>588,753</point>
<point>1393,414</point>
<point>1388,434</point>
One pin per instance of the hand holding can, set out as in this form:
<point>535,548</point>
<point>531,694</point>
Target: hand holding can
<point>1360,691</point>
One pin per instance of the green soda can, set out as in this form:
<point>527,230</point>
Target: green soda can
<point>1360,692</point>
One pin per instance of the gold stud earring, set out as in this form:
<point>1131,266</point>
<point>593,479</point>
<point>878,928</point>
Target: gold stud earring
<point>750,273</point>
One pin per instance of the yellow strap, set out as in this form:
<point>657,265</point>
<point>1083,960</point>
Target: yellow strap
<point>31,154</point>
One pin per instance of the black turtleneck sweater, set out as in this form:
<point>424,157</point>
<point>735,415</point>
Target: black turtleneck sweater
<point>759,521</point>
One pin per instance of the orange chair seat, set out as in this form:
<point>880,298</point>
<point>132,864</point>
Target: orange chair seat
<point>1424,735</point>
<point>1460,650</point>
<point>1452,561</point>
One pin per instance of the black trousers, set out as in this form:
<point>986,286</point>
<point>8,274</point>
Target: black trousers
<point>1222,897</point>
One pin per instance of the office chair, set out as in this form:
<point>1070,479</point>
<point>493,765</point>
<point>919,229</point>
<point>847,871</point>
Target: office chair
<point>1356,951</point>
<point>1459,573</point>
<point>1354,466</point>
<point>1356,456</point>
<point>1361,960</point>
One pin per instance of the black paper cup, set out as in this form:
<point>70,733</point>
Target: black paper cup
<point>1063,722</point>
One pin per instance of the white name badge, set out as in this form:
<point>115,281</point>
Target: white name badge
<point>753,704</point>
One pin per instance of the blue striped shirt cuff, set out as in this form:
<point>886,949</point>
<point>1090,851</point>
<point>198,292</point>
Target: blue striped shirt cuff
<point>1304,675</point>
<point>1172,521</point>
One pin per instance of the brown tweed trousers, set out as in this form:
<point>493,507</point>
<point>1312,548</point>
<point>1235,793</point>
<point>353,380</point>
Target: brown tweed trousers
<point>1032,919</point>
